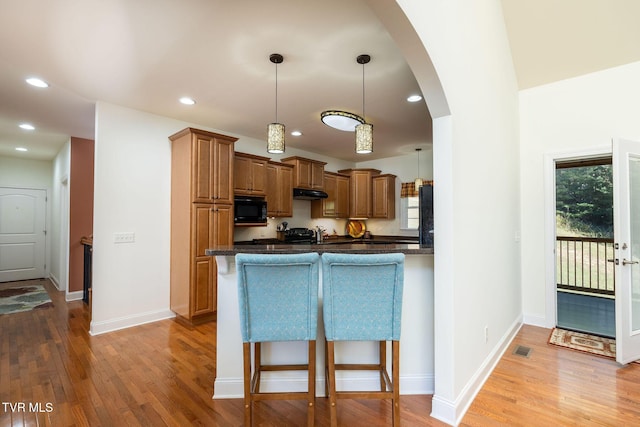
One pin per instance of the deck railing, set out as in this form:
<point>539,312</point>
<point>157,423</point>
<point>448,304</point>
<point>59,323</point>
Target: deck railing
<point>581,264</point>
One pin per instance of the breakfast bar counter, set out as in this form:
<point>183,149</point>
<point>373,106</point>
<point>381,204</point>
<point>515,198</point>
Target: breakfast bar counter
<point>356,247</point>
<point>417,353</point>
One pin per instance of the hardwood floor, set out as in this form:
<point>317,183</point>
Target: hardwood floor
<point>162,374</point>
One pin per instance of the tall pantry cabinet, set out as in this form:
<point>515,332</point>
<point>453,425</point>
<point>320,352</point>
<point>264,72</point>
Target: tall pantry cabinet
<point>201,217</point>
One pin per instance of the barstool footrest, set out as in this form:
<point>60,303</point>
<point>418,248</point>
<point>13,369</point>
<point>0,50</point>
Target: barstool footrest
<point>364,394</point>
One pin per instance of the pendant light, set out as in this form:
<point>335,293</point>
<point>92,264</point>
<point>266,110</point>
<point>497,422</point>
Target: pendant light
<point>418,182</point>
<point>275,131</point>
<point>341,120</point>
<point>364,131</point>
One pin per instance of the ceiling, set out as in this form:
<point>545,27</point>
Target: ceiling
<point>146,54</point>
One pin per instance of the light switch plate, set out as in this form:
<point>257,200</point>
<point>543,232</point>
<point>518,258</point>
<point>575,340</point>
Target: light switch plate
<point>128,237</point>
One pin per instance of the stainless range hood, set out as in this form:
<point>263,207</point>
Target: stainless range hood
<point>304,194</point>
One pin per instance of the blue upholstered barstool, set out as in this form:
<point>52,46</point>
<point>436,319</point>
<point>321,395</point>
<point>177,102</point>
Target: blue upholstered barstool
<point>362,301</point>
<point>278,296</point>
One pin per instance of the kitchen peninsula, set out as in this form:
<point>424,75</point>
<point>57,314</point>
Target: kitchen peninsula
<point>416,364</point>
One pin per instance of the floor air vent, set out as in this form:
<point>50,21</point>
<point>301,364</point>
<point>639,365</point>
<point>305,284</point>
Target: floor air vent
<point>523,351</point>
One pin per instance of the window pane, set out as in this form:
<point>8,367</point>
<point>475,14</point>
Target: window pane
<point>409,209</point>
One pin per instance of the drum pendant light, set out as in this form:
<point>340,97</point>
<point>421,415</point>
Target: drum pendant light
<point>275,131</point>
<point>364,131</point>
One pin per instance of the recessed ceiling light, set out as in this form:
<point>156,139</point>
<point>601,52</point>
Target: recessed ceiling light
<point>34,81</point>
<point>414,98</point>
<point>21,149</point>
<point>26,126</point>
<point>296,133</point>
<point>187,101</point>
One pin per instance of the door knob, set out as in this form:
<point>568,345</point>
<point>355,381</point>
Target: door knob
<point>625,262</point>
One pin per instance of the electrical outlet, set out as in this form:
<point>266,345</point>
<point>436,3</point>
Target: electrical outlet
<point>486,334</point>
<point>124,237</point>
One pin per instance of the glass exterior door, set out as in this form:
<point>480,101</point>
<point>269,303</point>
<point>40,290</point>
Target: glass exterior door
<point>626,183</point>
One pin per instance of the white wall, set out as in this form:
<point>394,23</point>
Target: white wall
<point>25,173</point>
<point>476,157</point>
<point>132,190</point>
<point>574,115</point>
<point>58,241</point>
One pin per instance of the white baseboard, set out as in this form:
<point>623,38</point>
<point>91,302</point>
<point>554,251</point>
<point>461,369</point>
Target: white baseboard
<point>105,326</point>
<point>451,412</point>
<point>55,281</point>
<point>74,296</point>
<point>232,388</point>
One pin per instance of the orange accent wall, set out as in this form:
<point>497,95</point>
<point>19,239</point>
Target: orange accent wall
<point>80,207</point>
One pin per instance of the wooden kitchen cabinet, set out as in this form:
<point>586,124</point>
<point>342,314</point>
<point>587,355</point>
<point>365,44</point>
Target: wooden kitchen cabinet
<point>212,165</point>
<point>201,217</point>
<point>250,174</point>
<point>342,196</point>
<point>307,173</point>
<point>384,196</point>
<point>360,191</point>
<point>213,225</point>
<point>279,189</point>
<point>336,205</point>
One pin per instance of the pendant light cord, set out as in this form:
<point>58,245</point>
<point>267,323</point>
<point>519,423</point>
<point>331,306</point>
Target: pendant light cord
<point>276,92</point>
<point>363,115</point>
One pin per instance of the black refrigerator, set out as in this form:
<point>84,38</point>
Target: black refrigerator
<point>425,228</point>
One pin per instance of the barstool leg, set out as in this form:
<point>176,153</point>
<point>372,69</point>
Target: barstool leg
<point>395,350</point>
<point>326,370</point>
<point>311,400</point>
<point>383,364</point>
<point>257,365</point>
<point>331,363</point>
<point>246,350</point>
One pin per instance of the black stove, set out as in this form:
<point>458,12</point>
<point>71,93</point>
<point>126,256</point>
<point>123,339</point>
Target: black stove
<point>299,235</point>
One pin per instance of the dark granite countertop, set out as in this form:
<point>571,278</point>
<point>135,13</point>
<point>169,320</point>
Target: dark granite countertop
<point>359,247</point>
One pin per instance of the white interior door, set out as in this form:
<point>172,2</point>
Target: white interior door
<point>22,234</point>
<point>626,202</point>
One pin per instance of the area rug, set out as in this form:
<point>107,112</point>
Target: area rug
<point>583,342</point>
<point>19,297</point>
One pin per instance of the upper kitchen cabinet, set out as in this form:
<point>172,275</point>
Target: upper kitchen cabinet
<point>279,189</point>
<point>307,173</point>
<point>336,205</point>
<point>210,159</point>
<point>250,174</point>
<point>384,196</point>
<point>360,189</point>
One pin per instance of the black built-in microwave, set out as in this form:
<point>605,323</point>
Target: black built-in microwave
<point>250,210</point>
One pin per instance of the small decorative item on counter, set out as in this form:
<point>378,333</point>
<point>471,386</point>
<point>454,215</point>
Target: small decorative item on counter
<point>356,228</point>
<point>367,235</point>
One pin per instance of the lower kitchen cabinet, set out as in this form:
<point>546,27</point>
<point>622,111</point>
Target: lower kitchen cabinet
<point>193,295</point>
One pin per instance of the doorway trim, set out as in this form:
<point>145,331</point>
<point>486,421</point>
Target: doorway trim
<point>550,160</point>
